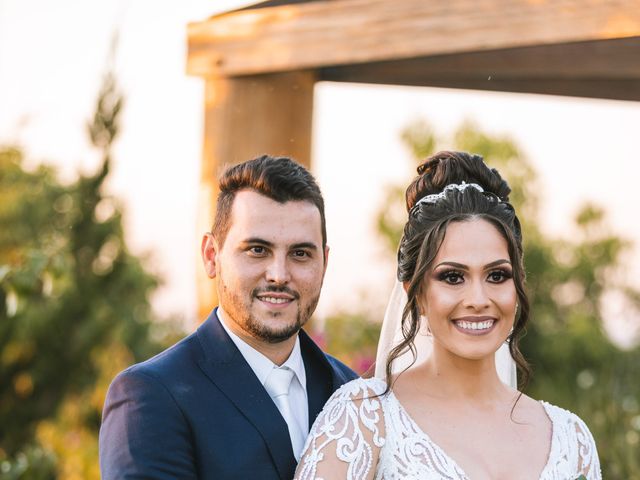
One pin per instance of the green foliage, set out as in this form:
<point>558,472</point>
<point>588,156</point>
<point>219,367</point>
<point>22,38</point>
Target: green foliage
<point>419,139</point>
<point>33,463</point>
<point>353,338</point>
<point>71,296</point>
<point>575,364</point>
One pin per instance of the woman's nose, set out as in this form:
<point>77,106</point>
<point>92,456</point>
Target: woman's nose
<point>477,296</point>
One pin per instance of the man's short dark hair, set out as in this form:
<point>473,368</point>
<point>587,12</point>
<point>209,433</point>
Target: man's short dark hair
<point>278,178</point>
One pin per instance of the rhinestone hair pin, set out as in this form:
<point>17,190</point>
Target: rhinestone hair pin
<point>461,187</point>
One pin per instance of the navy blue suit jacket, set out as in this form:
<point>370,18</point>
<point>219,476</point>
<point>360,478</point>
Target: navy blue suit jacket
<point>197,410</point>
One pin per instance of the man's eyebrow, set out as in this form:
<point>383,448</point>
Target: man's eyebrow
<point>266,243</point>
<point>465,267</point>
<point>257,241</point>
<point>307,245</point>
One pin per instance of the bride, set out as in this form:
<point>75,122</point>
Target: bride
<point>443,403</point>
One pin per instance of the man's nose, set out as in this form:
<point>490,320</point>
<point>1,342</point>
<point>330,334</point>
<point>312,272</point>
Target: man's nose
<point>278,270</point>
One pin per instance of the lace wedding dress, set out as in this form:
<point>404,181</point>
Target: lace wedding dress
<point>374,437</point>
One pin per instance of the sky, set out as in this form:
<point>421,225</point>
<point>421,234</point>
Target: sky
<point>53,54</point>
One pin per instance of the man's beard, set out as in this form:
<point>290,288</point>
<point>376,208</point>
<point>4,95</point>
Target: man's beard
<point>243,316</point>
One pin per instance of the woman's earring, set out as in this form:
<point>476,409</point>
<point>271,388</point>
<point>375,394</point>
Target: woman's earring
<point>508,339</point>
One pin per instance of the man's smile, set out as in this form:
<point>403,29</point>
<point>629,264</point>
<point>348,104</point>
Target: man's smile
<point>276,299</point>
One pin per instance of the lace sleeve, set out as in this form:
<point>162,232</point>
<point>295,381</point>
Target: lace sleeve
<point>588,461</point>
<point>345,439</point>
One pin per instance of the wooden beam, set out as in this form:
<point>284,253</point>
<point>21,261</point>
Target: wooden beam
<point>599,69</point>
<point>628,90</point>
<point>618,58</point>
<point>341,32</point>
<point>244,118</point>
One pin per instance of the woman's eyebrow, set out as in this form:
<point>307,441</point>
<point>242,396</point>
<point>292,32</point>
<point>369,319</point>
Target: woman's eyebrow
<point>465,267</point>
<point>453,264</point>
<point>502,261</point>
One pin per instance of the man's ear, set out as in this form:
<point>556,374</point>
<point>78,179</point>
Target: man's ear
<point>326,258</point>
<point>209,252</point>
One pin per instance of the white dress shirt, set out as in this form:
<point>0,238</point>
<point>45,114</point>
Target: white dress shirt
<point>262,366</point>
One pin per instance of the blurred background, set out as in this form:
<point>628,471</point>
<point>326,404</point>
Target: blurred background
<point>101,140</point>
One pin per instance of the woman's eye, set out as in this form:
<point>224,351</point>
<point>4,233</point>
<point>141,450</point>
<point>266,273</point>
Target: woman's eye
<point>451,277</point>
<point>499,276</point>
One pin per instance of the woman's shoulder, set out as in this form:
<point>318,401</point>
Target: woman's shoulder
<point>347,401</point>
<point>346,438</point>
<point>354,410</point>
<point>359,390</point>
<point>569,428</point>
<point>562,417</point>
<point>573,442</point>
<point>557,415</point>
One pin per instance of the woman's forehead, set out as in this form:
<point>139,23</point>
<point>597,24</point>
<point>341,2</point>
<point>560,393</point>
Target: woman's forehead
<point>472,242</point>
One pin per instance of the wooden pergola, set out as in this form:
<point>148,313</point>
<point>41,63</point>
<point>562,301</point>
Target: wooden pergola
<point>261,63</point>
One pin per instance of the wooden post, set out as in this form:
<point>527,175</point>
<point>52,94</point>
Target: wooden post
<point>246,117</point>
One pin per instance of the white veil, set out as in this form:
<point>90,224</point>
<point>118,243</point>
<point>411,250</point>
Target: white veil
<point>391,335</point>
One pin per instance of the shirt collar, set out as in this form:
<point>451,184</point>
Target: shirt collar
<point>259,363</point>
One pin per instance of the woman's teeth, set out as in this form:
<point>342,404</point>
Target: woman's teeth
<point>475,325</point>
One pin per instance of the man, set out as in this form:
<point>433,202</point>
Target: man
<point>236,398</point>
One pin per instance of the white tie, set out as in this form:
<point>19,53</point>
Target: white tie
<point>277,385</point>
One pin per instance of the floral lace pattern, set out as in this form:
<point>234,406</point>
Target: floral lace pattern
<point>362,434</point>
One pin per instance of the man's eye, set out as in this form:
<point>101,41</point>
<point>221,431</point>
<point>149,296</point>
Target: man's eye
<point>257,250</point>
<point>451,277</point>
<point>499,276</point>
<point>300,254</point>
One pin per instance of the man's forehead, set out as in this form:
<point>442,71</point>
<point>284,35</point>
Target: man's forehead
<point>255,214</point>
<point>250,202</point>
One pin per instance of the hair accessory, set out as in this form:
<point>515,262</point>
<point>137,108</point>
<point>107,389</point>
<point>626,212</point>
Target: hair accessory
<point>461,187</point>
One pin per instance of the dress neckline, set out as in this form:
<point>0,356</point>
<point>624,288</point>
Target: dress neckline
<point>552,446</point>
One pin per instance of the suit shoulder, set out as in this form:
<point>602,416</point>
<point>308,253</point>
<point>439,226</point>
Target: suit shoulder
<point>168,363</point>
<point>343,372</point>
<point>156,381</point>
<point>340,367</point>
<point>144,416</point>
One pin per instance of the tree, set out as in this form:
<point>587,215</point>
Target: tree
<point>575,364</point>
<point>73,300</point>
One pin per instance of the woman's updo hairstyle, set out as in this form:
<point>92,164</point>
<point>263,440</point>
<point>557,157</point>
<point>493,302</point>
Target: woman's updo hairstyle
<point>427,224</point>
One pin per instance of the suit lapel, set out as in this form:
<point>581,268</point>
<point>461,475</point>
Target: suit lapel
<point>321,378</point>
<point>226,367</point>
